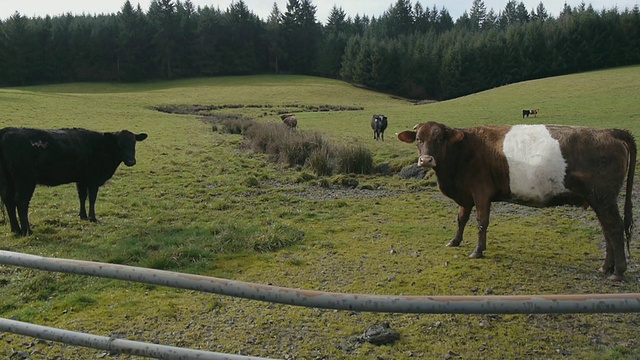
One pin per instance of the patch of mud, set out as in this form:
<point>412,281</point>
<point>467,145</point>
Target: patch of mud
<point>208,110</point>
<point>334,192</point>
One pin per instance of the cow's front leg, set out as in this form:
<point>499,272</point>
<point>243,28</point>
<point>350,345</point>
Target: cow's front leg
<point>463,216</point>
<point>82,195</point>
<point>483,209</point>
<point>93,195</point>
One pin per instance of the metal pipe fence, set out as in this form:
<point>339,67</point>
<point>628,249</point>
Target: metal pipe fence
<point>114,345</point>
<point>491,304</point>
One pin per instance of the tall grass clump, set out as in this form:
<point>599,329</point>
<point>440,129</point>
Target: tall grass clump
<point>266,138</point>
<point>284,145</point>
<point>300,148</point>
<point>355,159</point>
<point>229,123</point>
<point>321,161</point>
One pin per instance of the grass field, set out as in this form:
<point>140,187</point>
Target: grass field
<point>198,202</point>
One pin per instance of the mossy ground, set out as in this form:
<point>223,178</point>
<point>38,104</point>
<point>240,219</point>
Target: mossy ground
<point>198,202</point>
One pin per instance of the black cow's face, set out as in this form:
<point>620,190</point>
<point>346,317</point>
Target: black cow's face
<point>127,145</point>
<point>433,140</point>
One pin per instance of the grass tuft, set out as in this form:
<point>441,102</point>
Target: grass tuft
<point>300,148</point>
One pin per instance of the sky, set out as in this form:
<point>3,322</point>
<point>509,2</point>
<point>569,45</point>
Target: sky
<point>262,8</point>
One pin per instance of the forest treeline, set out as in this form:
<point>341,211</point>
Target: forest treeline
<point>410,50</point>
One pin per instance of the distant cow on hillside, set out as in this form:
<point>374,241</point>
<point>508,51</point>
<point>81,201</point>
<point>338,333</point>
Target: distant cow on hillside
<point>30,157</point>
<point>526,113</point>
<point>379,125</point>
<point>534,165</point>
<point>290,120</point>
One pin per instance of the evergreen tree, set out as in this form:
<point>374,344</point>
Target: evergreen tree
<point>540,13</point>
<point>248,50</point>
<point>165,23</point>
<point>301,34</point>
<point>398,19</point>
<point>18,50</point>
<point>186,46</point>
<point>333,44</point>
<point>209,41</point>
<point>132,62</point>
<point>274,37</point>
<point>478,14</point>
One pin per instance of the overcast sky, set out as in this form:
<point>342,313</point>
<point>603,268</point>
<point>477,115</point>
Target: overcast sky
<point>262,8</point>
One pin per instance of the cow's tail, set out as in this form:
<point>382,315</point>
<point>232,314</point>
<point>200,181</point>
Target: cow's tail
<point>628,205</point>
<point>2,181</point>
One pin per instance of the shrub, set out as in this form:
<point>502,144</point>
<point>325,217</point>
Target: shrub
<point>237,126</point>
<point>321,162</point>
<point>298,148</point>
<point>229,123</point>
<point>355,159</point>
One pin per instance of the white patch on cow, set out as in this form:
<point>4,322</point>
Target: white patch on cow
<point>39,143</point>
<point>536,165</point>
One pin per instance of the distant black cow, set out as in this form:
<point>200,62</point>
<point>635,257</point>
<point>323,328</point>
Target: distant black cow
<point>526,113</point>
<point>29,157</point>
<point>378,124</point>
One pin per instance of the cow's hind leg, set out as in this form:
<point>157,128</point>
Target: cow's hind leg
<point>609,261</point>
<point>463,216</point>
<point>23,197</point>
<point>613,230</point>
<point>9,200</point>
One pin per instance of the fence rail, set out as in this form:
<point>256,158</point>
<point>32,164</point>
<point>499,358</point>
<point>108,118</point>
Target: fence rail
<point>114,345</point>
<point>493,304</point>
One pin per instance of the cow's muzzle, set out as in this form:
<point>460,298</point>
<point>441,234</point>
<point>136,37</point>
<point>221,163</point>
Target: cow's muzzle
<point>426,161</point>
<point>130,162</point>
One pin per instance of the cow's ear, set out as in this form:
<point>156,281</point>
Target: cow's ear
<point>455,135</point>
<point>140,137</point>
<point>407,136</point>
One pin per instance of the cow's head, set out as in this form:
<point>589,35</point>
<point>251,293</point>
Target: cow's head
<point>126,141</point>
<point>433,141</point>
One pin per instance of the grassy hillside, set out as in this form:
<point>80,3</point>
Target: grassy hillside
<point>198,202</point>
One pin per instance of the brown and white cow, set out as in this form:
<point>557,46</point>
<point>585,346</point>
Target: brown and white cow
<point>534,165</point>
<point>290,120</point>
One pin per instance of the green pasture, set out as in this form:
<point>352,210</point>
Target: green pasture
<point>198,202</point>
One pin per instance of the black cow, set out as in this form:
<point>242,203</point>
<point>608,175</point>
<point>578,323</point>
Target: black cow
<point>378,124</point>
<point>29,157</point>
<point>526,113</point>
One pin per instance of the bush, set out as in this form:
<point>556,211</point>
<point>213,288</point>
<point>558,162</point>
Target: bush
<point>298,148</point>
<point>237,126</point>
<point>321,162</point>
<point>229,123</point>
<point>355,159</point>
